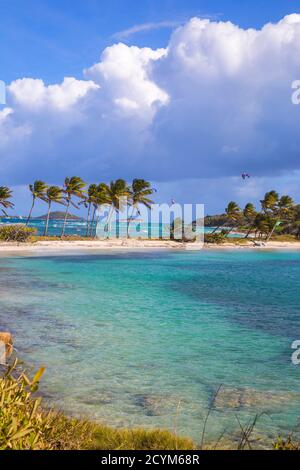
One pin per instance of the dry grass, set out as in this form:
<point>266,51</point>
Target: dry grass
<point>71,238</point>
<point>106,438</point>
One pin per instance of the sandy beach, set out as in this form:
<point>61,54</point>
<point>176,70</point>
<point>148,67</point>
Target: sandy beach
<point>69,246</point>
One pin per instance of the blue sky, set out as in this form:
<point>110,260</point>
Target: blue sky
<point>52,39</point>
<point>55,38</point>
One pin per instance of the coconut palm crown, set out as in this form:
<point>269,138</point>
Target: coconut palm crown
<point>38,191</point>
<point>73,187</point>
<point>139,194</point>
<point>233,211</point>
<point>54,194</point>
<point>117,194</point>
<point>5,196</point>
<point>270,202</point>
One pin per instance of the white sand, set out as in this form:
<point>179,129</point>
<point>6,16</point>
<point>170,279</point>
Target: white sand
<point>65,246</point>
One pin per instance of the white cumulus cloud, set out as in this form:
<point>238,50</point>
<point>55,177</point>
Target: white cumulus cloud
<point>215,102</point>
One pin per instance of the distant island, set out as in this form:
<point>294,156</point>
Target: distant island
<point>59,215</point>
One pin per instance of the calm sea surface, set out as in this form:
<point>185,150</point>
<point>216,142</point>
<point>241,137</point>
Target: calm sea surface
<point>146,339</point>
<point>119,229</point>
<point>79,228</point>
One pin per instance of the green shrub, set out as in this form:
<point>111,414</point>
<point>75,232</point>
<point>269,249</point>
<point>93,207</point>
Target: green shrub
<point>16,233</point>
<point>24,425</point>
<point>215,238</point>
<point>20,422</point>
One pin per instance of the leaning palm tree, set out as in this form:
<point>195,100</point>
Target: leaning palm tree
<point>117,194</point>
<point>221,225</point>
<point>72,187</point>
<point>38,190</point>
<point>88,201</point>
<point>287,212</point>
<point>286,207</point>
<point>233,213</point>
<point>270,202</point>
<point>101,198</point>
<point>249,213</point>
<point>262,224</point>
<point>140,190</point>
<point>5,196</point>
<point>53,194</point>
<point>282,212</point>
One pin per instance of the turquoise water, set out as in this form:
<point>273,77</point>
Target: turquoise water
<point>79,227</point>
<point>147,338</point>
<point>119,229</point>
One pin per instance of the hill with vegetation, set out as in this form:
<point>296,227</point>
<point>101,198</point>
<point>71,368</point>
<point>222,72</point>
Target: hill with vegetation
<point>58,215</point>
<point>215,220</point>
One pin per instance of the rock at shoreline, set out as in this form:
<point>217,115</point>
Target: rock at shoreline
<point>7,340</point>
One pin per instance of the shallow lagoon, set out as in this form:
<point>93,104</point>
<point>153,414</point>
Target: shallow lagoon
<point>147,338</point>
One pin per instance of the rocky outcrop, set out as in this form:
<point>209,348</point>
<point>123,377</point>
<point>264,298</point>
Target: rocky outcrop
<point>6,341</point>
<point>239,398</point>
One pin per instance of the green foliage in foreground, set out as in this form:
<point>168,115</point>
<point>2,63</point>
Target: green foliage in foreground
<point>16,233</point>
<point>24,425</point>
<point>288,443</point>
<point>106,438</point>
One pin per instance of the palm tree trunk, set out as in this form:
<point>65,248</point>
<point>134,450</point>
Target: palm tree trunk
<point>88,220</point>
<point>271,233</point>
<point>249,231</point>
<point>47,221</point>
<point>129,221</point>
<point>230,230</point>
<point>92,222</point>
<point>30,213</point>
<point>108,223</point>
<point>65,219</point>
<point>218,228</point>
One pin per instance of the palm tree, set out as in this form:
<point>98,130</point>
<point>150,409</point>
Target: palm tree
<point>233,213</point>
<point>262,224</point>
<point>116,192</point>
<point>249,213</point>
<point>101,198</point>
<point>72,187</point>
<point>283,212</point>
<point>5,195</point>
<point>218,227</point>
<point>88,201</point>
<point>270,202</point>
<point>53,194</point>
<point>285,207</point>
<point>38,190</point>
<point>140,190</point>
<point>294,223</point>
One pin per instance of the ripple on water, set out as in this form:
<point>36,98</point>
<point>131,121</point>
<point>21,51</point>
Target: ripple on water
<point>139,339</point>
